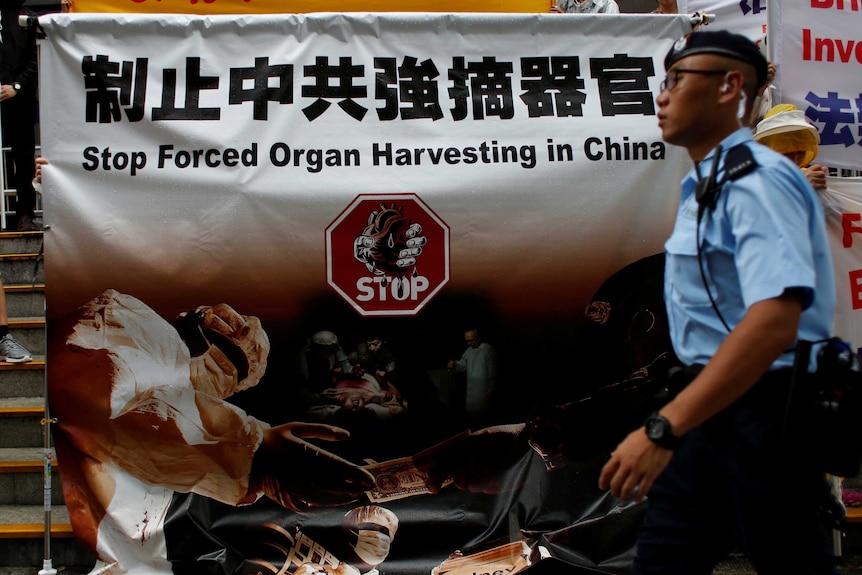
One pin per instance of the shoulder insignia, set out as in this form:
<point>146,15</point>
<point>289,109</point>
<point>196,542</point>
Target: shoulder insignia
<point>738,162</point>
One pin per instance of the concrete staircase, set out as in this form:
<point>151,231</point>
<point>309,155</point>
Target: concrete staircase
<point>23,542</point>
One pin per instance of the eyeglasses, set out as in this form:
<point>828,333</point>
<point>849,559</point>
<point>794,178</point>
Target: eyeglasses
<point>669,82</point>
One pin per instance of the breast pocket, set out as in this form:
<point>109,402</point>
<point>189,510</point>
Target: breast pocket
<point>684,282</point>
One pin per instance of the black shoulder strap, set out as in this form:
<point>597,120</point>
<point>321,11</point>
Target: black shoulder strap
<point>738,162</point>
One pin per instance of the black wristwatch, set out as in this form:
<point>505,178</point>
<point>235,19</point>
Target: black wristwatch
<point>17,86</point>
<point>659,431</point>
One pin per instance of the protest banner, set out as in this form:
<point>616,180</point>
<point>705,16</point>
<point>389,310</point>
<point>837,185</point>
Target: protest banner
<point>843,206</point>
<point>818,52</point>
<point>746,17</point>
<point>239,204</point>
<point>212,7</point>
<point>243,210</point>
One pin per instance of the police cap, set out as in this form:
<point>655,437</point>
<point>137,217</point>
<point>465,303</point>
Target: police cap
<point>722,43</point>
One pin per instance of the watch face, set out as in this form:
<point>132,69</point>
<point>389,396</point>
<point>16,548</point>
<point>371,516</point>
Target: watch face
<point>655,428</point>
<point>659,431</point>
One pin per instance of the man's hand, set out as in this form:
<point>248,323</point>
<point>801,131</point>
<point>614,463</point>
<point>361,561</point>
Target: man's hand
<point>7,91</point>
<point>634,466</point>
<point>40,161</point>
<point>816,175</point>
<point>476,461</point>
<point>300,475</point>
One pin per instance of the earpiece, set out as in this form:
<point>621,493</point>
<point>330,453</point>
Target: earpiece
<point>740,110</point>
<point>725,88</point>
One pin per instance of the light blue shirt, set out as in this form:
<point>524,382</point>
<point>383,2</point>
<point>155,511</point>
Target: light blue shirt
<point>766,234</point>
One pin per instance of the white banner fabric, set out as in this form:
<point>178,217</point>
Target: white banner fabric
<point>197,160</point>
<point>843,207</point>
<point>746,17</point>
<point>162,169</point>
<point>818,52</point>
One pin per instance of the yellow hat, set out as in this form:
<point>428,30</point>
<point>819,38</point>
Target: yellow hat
<point>785,130</point>
<point>779,108</point>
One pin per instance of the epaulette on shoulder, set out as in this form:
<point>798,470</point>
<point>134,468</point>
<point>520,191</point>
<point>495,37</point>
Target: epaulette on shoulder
<point>738,162</point>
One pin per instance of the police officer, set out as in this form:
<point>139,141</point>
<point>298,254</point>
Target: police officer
<point>748,273</point>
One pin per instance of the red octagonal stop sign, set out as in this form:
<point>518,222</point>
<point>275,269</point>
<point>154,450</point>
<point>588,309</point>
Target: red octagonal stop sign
<point>387,254</point>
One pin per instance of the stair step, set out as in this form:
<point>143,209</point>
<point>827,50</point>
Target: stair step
<point>22,542</point>
<point>19,380</point>
<point>22,268</point>
<point>28,521</point>
<point>24,288</point>
<point>17,257</point>
<point>22,406</point>
<point>20,242</point>
<point>21,422</point>
<point>25,300</point>
<point>25,460</point>
<point>26,381</point>
<point>22,477</point>
<point>30,466</point>
<point>26,322</point>
<point>22,535</point>
<point>20,309</point>
<point>37,364</point>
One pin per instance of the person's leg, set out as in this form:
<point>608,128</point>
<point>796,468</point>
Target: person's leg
<point>24,156</point>
<point>788,535</point>
<point>778,495</point>
<point>11,349</point>
<point>19,134</point>
<point>685,530</point>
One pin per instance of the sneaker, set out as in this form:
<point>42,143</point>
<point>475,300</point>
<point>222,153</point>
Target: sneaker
<point>12,351</point>
<point>26,224</point>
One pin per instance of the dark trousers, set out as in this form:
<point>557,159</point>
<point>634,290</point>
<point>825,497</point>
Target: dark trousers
<point>18,118</point>
<point>736,483</point>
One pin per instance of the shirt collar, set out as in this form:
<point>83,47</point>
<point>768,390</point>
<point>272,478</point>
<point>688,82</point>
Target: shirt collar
<point>740,136</point>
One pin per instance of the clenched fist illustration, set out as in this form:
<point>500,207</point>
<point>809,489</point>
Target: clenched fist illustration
<point>390,243</point>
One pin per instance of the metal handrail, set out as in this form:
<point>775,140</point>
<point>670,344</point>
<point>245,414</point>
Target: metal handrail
<point>8,191</point>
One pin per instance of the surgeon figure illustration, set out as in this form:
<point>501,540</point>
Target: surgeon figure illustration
<point>141,412</point>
